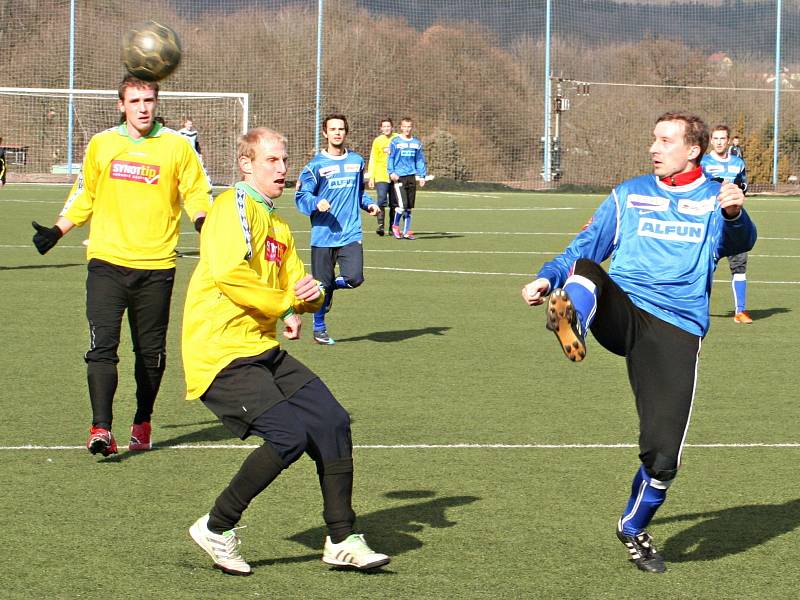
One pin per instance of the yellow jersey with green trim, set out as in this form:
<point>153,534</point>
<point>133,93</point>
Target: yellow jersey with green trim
<point>132,189</point>
<point>378,169</point>
<point>242,285</point>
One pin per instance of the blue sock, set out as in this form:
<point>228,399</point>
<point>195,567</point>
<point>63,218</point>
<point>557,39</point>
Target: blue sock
<point>319,316</point>
<point>582,292</point>
<point>407,226</point>
<point>397,215</point>
<point>647,494</point>
<point>739,285</point>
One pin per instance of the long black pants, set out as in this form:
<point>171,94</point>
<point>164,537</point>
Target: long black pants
<point>146,295</point>
<point>662,365</point>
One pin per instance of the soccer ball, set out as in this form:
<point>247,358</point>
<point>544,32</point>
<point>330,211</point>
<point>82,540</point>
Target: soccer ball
<point>151,51</point>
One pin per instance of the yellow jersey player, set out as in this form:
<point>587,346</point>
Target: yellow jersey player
<point>131,185</point>
<point>377,174</point>
<point>249,277</point>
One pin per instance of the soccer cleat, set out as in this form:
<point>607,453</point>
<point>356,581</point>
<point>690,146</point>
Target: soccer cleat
<point>563,321</point>
<point>353,552</point>
<point>101,441</point>
<point>380,231</point>
<point>643,553</point>
<point>322,337</point>
<point>408,235</point>
<point>223,548</point>
<point>743,317</point>
<point>140,437</point>
<point>396,232</point>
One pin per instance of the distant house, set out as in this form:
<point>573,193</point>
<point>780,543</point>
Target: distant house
<point>720,61</point>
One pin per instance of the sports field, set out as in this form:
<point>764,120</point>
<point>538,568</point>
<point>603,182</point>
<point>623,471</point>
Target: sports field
<point>487,465</point>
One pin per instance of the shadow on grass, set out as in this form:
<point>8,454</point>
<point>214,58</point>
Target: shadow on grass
<point>217,433</point>
<point>395,336</point>
<point>436,235</point>
<point>31,267</point>
<point>758,314</point>
<point>390,530</point>
<point>729,531</point>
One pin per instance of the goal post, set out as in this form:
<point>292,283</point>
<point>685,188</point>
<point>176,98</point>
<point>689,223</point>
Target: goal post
<point>36,134</point>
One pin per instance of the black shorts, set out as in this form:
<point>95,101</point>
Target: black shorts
<point>403,193</point>
<point>251,385</point>
<point>738,263</point>
<point>350,259</point>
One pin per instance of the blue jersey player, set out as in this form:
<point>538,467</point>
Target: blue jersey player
<point>331,191</point>
<point>664,234</point>
<point>406,167</point>
<point>721,163</point>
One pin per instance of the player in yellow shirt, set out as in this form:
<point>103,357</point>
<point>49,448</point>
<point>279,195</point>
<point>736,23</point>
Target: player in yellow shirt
<point>250,276</point>
<point>378,174</point>
<point>131,185</point>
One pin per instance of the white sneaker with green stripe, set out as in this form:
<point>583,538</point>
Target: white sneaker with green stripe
<point>353,552</point>
<point>223,548</point>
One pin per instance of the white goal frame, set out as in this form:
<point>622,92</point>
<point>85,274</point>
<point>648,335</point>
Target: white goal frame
<point>243,99</point>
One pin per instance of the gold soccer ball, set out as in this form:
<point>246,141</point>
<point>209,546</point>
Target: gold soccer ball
<point>151,51</point>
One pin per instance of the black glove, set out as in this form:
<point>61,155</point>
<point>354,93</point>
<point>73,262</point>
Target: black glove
<point>198,223</point>
<point>45,237</point>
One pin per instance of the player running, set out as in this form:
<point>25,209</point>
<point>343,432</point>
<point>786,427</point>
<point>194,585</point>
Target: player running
<point>722,164</point>
<point>331,191</point>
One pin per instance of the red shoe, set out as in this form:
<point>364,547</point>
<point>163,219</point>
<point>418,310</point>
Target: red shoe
<point>140,437</point>
<point>743,317</point>
<point>101,441</point>
<point>408,235</point>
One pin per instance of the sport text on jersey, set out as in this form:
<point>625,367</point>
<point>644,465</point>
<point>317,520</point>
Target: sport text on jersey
<point>677,231</point>
<point>274,251</point>
<point>132,171</point>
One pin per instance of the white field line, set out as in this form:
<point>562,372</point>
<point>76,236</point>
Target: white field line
<point>433,446</point>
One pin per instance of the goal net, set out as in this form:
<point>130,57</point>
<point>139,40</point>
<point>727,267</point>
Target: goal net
<point>40,145</point>
<point>490,85</point>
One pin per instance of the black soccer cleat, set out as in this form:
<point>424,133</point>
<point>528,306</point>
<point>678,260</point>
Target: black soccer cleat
<point>643,553</point>
<point>563,321</point>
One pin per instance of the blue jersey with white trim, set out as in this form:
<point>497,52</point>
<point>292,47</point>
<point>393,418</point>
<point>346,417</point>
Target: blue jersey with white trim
<point>730,169</point>
<point>406,157</point>
<point>340,181</point>
<point>664,243</point>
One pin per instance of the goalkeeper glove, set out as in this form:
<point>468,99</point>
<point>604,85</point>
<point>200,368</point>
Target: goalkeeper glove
<point>45,237</point>
<point>198,223</point>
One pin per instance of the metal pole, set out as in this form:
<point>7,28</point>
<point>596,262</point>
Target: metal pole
<point>70,104</point>
<point>547,93</point>
<point>317,116</point>
<point>776,126</point>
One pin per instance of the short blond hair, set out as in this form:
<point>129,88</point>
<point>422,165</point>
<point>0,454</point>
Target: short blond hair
<point>247,142</point>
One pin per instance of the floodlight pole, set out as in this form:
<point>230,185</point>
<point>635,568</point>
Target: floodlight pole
<point>547,99</point>
<point>776,116</point>
<point>70,106</point>
<point>320,9</point>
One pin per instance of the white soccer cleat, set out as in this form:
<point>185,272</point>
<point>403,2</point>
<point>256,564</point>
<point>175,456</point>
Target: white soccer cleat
<point>222,548</point>
<point>353,552</point>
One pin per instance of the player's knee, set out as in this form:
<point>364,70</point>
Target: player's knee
<point>586,267</point>
<point>289,447</point>
<point>152,360</point>
<point>661,468</point>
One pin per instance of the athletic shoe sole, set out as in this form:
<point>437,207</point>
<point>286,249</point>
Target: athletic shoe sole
<point>562,320</point>
<point>341,563</point>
